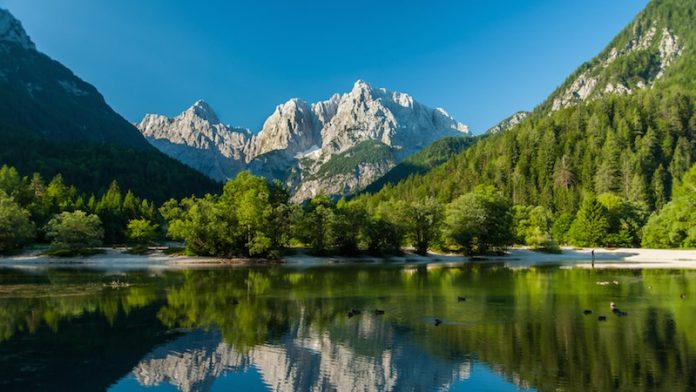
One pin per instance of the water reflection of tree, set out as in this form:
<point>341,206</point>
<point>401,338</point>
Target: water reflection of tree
<point>28,301</point>
<point>527,324</point>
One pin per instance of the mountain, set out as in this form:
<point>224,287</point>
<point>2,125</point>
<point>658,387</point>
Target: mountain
<point>198,138</point>
<point>635,60</point>
<point>52,121</point>
<point>508,123</point>
<point>337,146</point>
<point>623,123</point>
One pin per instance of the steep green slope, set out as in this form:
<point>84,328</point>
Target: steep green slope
<point>633,144</point>
<point>53,122</point>
<point>422,161</point>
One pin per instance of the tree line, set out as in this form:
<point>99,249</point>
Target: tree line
<point>253,217</point>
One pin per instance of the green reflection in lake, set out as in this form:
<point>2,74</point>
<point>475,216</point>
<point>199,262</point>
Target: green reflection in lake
<point>292,327</point>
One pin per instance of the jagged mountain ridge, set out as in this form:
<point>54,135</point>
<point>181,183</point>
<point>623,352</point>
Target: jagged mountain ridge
<point>299,140</point>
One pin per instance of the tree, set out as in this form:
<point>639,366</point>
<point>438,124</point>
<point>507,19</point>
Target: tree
<point>347,226</point>
<point>13,184</point>
<point>532,227</point>
<point>384,237</point>
<point>249,219</point>
<point>561,227</point>
<point>74,232</point>
<point>590,226</point>
<point>141,232</point>
<point>478,221</point>
<point>423,221</point>
<point>675,225</point>
<point>313,226</point>
<point>59,196</point>
<point>16,230</point>
<point>625,219</point>
<point>110,211</point>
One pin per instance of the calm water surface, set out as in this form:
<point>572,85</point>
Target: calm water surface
<point>284,328</point>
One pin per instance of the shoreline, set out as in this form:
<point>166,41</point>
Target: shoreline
<point>118,259</point>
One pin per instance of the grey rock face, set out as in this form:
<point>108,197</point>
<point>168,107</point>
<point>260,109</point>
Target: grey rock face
<point>508,123</point>
<point>197,138</point>
<point>593,82</point>
<point>299,138</point>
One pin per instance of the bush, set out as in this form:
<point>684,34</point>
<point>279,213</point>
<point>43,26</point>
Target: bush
<point>74,233</point>
<point>141,232</point>
<point>16,230</point>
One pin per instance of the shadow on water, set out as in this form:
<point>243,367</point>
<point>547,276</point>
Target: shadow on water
<point>284,328</point>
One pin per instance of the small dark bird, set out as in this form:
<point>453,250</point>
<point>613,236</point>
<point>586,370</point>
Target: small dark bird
<point>350,314</point>
<point>234,301</point>
<point>438,322</point>
<point>461,299</point>
<point>379,312</point>
<point>622,314</point>
<point>683,296</point>
<point>602,318</point>
<point>355,311</point>
<point>587,312</point>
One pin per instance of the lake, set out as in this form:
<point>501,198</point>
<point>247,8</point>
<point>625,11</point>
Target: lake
<point>316,328</point>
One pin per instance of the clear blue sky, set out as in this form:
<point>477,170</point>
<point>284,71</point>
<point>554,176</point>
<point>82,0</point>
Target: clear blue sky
<point>481,60</point>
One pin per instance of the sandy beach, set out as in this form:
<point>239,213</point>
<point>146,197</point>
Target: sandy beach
<point>119,259</point>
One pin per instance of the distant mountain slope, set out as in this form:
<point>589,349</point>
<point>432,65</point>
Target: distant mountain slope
<point>337,146</point>
<point>52,121</point>
<point>635,142</point>
<point>636,59</point>
<point>422,161</point>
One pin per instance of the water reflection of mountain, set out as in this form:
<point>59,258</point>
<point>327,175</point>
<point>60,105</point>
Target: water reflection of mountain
<point>303,359</point>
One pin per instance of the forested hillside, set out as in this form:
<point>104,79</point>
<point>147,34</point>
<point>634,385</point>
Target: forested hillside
<point>52,122</point>
<point>633,144</point>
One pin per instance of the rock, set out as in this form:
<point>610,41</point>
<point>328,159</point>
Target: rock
<point>508,123</point>
<point>335,147</point>
<point>197,138</point>
<point>597,79</point>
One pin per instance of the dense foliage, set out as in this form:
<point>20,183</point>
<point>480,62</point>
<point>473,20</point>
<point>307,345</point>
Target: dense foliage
<point>92,167</point>
<point>365,152</point>
<point>250,218</point>
<point>422,161</point>
<point>594,171</point>
<point>31,210</point>
<point>16,230</point>
<point>675,225</point>
<point>631,146</point>
<point>74,232</point>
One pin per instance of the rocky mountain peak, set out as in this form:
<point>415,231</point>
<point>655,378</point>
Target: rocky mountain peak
<point>299,138</point>
<point>11,30</point>
<point>361,88</point>
<point>204,111</point>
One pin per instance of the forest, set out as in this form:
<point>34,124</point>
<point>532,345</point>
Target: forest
<point>253,217</point>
